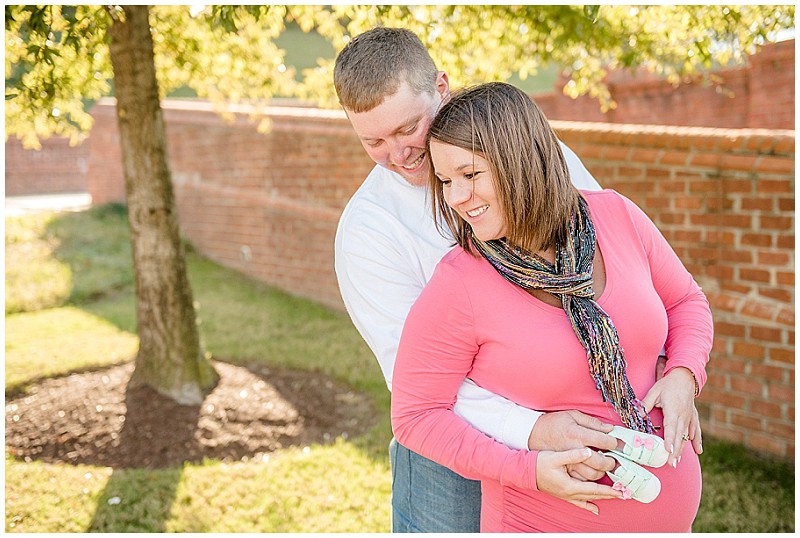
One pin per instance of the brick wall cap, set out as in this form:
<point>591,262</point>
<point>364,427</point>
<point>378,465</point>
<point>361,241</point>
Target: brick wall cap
<point>670,130</point>
<point>289,110</point>
<point>300,112</point>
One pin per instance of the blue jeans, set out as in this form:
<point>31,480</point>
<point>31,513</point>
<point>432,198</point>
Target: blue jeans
<point>428,497</point>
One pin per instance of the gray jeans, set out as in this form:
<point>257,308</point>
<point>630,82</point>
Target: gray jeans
<point>428,497</point>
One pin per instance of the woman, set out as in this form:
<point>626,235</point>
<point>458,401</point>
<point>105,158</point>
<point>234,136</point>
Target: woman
<point>554,299</point>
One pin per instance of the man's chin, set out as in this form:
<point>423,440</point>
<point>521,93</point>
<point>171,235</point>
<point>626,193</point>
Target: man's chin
<point>418,178</point>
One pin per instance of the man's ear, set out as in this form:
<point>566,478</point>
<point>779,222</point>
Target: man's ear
<point>443,85</point>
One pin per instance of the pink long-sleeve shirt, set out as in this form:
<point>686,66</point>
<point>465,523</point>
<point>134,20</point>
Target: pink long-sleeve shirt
<point>470,322</point>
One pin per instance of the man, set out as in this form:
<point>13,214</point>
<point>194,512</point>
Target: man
<point>387,246</point>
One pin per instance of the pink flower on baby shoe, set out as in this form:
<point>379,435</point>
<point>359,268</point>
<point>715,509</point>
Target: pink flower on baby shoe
<point>647,443</point>
<point>626,492</point>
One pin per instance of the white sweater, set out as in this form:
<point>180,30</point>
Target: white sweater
<point>386,249</point>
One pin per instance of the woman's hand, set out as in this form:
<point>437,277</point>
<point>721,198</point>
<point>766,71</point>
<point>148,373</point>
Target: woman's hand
<point>552,477</point>
<point>674,394</point>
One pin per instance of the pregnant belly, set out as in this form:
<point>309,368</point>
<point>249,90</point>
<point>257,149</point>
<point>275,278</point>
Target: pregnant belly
<point>507,509</point>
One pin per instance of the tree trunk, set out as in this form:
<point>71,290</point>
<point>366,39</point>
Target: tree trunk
<point>170,358</point>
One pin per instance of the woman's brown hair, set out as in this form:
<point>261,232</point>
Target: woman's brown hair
<point>504,126</point>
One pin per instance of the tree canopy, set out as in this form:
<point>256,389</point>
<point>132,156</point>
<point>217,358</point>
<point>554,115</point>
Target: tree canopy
<point>57,56</point>
<point>475,43</point>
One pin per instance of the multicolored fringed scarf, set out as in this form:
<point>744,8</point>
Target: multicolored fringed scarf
<point>570,279</point>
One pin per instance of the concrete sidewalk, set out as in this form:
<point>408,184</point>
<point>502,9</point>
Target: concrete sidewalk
<point>19,205</point>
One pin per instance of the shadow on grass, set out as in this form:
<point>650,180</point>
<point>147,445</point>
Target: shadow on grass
<point>140,500</point>
<point>95,245</point>
<point>136,500</point>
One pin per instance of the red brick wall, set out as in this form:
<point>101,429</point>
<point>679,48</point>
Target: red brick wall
<point>57,168</point>
<point>104,178</point>
<point>760,95</point>
<point>267,205</point>
<point>772,87</point>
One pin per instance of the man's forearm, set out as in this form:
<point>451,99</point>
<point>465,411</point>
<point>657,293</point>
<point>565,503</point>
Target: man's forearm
<point>494,415</point>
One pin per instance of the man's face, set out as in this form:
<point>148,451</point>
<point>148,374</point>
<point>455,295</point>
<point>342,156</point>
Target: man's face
<point>393,133</point>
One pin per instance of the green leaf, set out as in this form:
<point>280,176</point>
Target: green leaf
<point>9,17</point>
<point>591,12</point>
<point>69,13</point>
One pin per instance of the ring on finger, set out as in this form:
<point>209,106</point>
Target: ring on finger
<point>685,437</point>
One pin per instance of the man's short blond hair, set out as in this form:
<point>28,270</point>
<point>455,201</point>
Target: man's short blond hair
<point>374,65</point>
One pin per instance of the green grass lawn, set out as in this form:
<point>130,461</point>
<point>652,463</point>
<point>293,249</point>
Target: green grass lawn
<point>72,309</point>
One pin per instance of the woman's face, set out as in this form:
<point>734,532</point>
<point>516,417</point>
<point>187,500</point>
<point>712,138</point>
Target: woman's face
<point>468,188</point>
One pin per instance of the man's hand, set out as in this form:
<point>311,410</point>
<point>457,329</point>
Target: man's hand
<point>695,432</point>
<point>565,430</point>
<point>553,478</point>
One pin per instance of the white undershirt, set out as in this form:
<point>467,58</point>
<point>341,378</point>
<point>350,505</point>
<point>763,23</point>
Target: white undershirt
<point>386,249</point>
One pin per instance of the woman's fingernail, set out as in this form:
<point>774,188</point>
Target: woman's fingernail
<point>674,464</point>
<point>679,459</point>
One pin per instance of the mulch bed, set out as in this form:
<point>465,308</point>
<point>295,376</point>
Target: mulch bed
<point>92,418</point>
